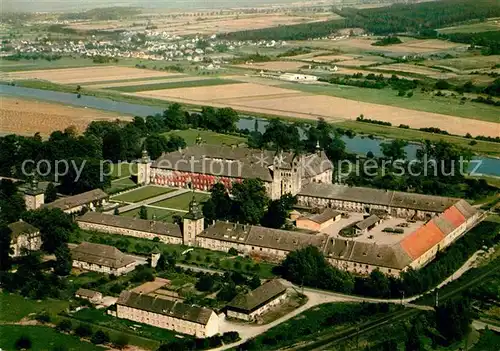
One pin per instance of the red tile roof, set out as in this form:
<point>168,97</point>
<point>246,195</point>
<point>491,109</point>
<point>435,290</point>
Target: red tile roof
<point>422,240</point>
<point>453,216</point>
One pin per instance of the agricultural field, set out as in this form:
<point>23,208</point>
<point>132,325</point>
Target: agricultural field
<point>466,63</point>
<point>273,65</point>
<point>142,193</point>
<point>174,85</point>
<point>358,62</point>
<point>27,117</point>
<point>43,338</point>
<point>208,137</point>
<point>86,75</point>
<point>14,307</point>
<point>291,103</point>
<point>181,202</point>
<point>414,69</point>
<point>330,58</point>
<point>490,25</point>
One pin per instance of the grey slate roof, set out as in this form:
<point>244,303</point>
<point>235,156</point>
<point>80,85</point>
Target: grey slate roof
<point>465,208</point>
<point>21,227</point>
<point>257,298</point>
<point>144,225</point>
<point>367,222</point>
<point>378,197</point>
<point>165,307</point>
<point>262,237</point>
<point>235,162</point>
<point>391,256</point>
<point>324,216</point>
<point>87,293</point>
<point>99,254</point>
<point>78,200</point>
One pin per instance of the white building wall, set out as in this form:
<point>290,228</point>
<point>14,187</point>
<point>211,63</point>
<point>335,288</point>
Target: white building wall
<point>104,269</point>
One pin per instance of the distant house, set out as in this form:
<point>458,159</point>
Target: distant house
<point>74,204</point>
<point>177,316</point>
<point>318,222</point>
<point>102,258</point>
<point>93,296</point>
<point>295,77</point>
<point>255,303</point>
<point>24,236</point>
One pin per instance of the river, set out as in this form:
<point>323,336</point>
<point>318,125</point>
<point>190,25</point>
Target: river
<point>359,144</point>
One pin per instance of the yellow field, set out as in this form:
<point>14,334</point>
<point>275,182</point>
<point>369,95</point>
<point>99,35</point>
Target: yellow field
<point>290,103</point>
<point>409,68</point>
<point>274,65</point>
<point>84,75</point>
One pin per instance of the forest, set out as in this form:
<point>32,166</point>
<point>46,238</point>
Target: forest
<point>418,19</point>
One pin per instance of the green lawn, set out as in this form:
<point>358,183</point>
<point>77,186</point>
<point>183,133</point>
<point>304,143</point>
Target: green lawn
<point>419,101</point>
<point>157,213</point>
<point>120,185</point>
<point>120,170</point>
<point>208,137</point>
<point>173,85</point>
<point>42,338</point>
<point>482,147</point>
<point>182,201</point>
<point>14,307</point>
<point>143,193</point>
<point>489,340</point>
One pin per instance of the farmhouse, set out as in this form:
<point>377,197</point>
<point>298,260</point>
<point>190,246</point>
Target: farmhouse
<point>24,236</point>
<point>257,302</point>
<point>202,166</point>
<point>318,222</point>
<point>295,77</point>
<point>153,310</point>
<point>74,204</point>
<point>91,295</point>
<point>102,258</point>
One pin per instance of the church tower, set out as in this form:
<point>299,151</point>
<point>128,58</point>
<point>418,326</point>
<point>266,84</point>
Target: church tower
<point>193,223</point>
<point>144,169</point>
<point>34,197</point>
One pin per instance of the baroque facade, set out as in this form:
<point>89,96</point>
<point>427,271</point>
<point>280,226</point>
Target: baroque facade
<point>24,236</point>
<point>202,166</point>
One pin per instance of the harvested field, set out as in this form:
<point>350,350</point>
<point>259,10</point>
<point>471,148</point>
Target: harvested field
<point>284,102</point>
<point>28,117</point>
<point>358,63</point>
<point>274,66</point>
<point>409,68</point>
<point>201,94</point>
<point>175,85</point>
<point>343,70</point>
<point>87,74</point>
<point>331,58</point>
<point>112,84</point>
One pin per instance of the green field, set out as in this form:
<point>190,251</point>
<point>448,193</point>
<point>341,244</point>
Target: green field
<point>157,213</point>
<point>419,101</point>
<point>489,340</point>
<point>182,201</point>
<point>173,85</point>
<point>482,147</point>
<point>14,307</point>
<point>208,137</point>
<point>143,193</point>
<point>486,26</point>
<point>135,79</point>
<point>42,338</point>
<point>120,185</point>
<point>467,62</point>
<point>120,170</point>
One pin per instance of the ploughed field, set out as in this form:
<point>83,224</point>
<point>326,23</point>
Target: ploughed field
<point>28,117</point>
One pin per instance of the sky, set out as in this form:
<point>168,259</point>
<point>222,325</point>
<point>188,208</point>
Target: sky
<point>81,5</point>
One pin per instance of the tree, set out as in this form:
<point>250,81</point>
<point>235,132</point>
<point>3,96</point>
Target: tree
<point>83,330</point>
<point>233,252</point>
<point>226,119</point>
<point>64,325</point>
<point>5,248</point>
<point>205,283</point>
<point>254,282</point>
<point>394,150</point>
<point>155,145</point>
<point>50,193</point>
<point>99,338</point>
<point>218,207</point>
<point>278,211</point>
<point>175,142</point>
<point>143,212</point>
<point>12,204</point>
<point>249,201</point>
<point>413,341</point>
<point>175,117</point>
<point>453,319</point>
<point>116,211</point>
<point>227,293</point>
<point>23,343</point>
<point>55,226</point>
<point>378,284</point>
<point>63,263</point>
<point>94,174</point>
<point>283,136</point>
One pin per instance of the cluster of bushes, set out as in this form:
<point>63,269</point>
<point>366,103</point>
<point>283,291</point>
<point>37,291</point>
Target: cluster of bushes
<point>32,56</point>
<point>104,59</point>
<point>434,130</point>
<point>251,58</point>
<point>98,337</point>
<point>372,121</point>
<point>200,344</point>
<point>390,40</point>
<point>489,101</point>
<point>294,52</point>
<point>393,230</point>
